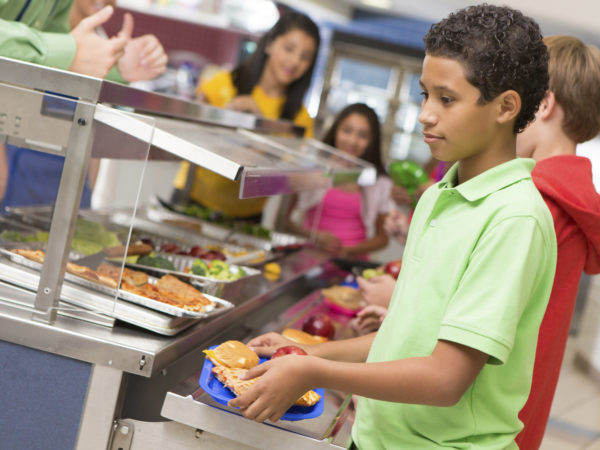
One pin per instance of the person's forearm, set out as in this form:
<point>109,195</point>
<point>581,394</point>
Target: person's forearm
<point>349,350</point>
<point>439,379</point>
<point>370,245</point>
<point>413,380</point>
<point>296,229</point>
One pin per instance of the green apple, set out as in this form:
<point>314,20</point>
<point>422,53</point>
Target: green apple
<point>370,273</point>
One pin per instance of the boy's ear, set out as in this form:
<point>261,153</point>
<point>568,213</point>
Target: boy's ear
<point>509,103</point>
<point>547,105</point>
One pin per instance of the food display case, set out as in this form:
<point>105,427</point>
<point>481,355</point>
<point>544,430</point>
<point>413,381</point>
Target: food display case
<point>117,349</point>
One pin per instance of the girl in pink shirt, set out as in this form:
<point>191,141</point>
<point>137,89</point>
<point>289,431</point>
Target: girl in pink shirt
<point>347,220</point>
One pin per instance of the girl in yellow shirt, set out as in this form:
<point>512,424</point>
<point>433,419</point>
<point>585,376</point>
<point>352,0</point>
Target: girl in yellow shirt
<point>271,83</point>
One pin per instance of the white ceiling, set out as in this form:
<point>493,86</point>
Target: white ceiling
<point>577,17</point>
<point>580,18</point>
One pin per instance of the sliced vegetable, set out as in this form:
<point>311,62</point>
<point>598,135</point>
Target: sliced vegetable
<point>156,261</point>
<point>199,267</point>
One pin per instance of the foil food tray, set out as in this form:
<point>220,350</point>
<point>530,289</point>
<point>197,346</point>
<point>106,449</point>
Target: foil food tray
<point>208,285</point>
<point>220,305</point>
<point>160,213</point>
<point>161,233</point>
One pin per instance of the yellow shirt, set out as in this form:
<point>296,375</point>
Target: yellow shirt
<point>217,192</point>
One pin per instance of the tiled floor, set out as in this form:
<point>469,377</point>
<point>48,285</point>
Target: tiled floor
<point>575,416</point>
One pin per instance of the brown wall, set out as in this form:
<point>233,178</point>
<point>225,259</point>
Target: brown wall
<point>217,45</point>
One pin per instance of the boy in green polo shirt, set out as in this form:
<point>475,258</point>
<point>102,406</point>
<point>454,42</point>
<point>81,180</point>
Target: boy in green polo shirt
<point>451,364</point>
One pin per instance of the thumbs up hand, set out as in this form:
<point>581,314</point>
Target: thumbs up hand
<point>95,55</point>
<point>144,56</point>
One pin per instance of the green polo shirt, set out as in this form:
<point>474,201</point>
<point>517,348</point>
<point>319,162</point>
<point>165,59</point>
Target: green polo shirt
<point>41,36</point>
<point>477,270</point>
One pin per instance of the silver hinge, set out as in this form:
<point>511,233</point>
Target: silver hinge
<point>122,434</point>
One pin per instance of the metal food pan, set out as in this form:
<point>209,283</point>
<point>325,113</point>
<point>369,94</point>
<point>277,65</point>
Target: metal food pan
<point>161,233</point>
<point>7,224</point>
<point>230,236</point>
<point>219,307</point>
<point>208,285</point>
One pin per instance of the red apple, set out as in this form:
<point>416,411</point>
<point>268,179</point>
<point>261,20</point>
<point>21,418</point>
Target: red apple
<point>288,350</point>
<point>169,247</point>
<point>319,325</point>
<point>393,268</point>
<point>196,251</point>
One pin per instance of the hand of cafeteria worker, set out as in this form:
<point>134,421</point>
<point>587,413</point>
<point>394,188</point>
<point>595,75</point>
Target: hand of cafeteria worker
<point>245,103</point>
<point>369,319</point>
<point>401,196</point>
<point>396,225</point>
<point>144,56</point>
<point>283,381</point>
<point>328,241</point>
<point>267,344</point>
<point>377,290</point>
<point>95,55</point>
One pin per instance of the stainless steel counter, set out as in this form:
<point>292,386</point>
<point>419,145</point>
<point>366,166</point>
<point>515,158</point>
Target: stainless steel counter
<point>128,348</point>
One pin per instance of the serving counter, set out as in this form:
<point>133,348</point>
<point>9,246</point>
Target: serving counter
<point>88,365</point>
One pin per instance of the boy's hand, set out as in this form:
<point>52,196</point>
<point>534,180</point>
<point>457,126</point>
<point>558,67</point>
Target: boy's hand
<point>267,344</point>
<point>377,290</point>
<point>283,381</point>
<point>369,319</point>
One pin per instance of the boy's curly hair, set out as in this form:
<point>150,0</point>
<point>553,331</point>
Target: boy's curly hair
<point>500,48</point>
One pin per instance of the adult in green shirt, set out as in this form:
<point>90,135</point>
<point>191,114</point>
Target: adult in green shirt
<point>40,32</point>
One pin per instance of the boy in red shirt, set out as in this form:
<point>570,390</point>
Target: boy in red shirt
<point>569,114</point>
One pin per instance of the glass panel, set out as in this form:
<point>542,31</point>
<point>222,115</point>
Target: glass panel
<point>43,230</point>
<point>339,163</point>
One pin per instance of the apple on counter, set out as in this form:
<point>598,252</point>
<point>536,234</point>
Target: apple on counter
<point>288,350</point>
<point>319,325</point>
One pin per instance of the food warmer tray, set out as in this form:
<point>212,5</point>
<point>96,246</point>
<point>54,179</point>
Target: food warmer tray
<point>220,304</point>
<point>146,227</point>
<point>208,285</point>
<point>92,300</point>
<point>162,232</point>
<point>161,213</point>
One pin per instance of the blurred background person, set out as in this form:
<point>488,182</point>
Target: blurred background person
<point>347,219</point>
<point>271,83</point>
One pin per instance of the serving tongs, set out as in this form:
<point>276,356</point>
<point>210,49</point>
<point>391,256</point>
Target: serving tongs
<point>94,260</point>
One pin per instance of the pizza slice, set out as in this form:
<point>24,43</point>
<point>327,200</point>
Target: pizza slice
<point>34,255</point>
<point>181,291</point>
<point>231,380</point>
<point>134,277</point>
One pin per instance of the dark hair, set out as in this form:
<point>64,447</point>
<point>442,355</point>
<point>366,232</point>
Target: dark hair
<point>373,152</point>
<point>500,49</point>
<point>247,74</point>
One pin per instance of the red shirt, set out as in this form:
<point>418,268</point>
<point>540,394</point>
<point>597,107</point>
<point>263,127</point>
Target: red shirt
<point>565,182</point>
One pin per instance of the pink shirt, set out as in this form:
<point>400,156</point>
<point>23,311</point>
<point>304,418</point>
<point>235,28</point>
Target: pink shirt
<point>340,214</point>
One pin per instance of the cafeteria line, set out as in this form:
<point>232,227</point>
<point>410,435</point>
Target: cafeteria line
<point>118,282</point>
